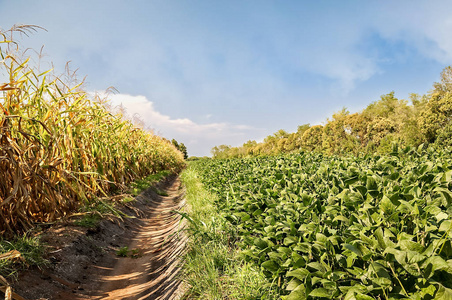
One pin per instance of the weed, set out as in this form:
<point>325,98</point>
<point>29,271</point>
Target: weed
<point>132,253</point>
<point>123,251</point>
<point>140,185</point>
<point>31,250</point>
<point>159,191</point>
<point>126,200</point>
<point>93,214</point>
<point>135,253</point>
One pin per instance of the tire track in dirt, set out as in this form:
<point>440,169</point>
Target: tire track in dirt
<point>159,244</point>
<point>83,263</point>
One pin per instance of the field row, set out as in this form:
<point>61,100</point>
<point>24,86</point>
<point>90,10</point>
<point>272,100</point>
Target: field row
<point>61,147</point>
<point>341,227</point>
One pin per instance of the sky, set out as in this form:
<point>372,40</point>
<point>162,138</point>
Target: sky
<point>224,72</point>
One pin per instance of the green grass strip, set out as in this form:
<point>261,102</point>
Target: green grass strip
<point>212,266</point>
<point>31,250</point>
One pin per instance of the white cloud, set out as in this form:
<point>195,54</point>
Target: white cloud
<point>273,64</point>
<point>199,138</point>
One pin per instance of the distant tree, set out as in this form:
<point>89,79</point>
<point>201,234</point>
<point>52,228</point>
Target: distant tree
<point>435,119</point>
<point>383,123</point>
<point>444,137</point>
<point>337,136</point>
<point>391,120</point>
<point>175,143</point>
<point>181,147</point>
<point>280,134</point>
<point>407,120</point>
<point>249,144</point>
<point>417,100</point>
<point>298,136</point>
<point>302,128</point>
<point>248,148</point>
<point>385,107</point>
<point>312,138</point>
<point>445,84</point>
<point>356,126</point>
<point>436,116</point>
<point>221,151</point>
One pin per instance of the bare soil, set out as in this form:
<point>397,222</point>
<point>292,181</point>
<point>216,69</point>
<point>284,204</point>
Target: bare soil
<point>85,264</point>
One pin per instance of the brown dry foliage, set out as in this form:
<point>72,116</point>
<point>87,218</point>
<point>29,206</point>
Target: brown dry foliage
<point>59,146</point>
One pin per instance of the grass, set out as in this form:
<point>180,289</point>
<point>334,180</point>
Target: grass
<point>93,214</point>
<point>140,185</point>
<point>95,211</point>
<point>126,252</point>
<point>212,266</point>
<point>31,250</point>
<point>123,251</point>
<point>159,191</point>
<point>90,220</point>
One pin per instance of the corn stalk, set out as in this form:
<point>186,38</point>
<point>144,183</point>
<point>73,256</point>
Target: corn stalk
<point>60,147</point>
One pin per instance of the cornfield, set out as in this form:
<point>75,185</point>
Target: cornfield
<point>60,146</point>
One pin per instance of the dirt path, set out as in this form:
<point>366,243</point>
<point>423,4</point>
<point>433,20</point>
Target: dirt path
<point>87,266</point>
<point>158,244</point>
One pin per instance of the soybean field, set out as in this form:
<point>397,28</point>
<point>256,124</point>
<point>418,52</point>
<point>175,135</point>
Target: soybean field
<point>327,227</point>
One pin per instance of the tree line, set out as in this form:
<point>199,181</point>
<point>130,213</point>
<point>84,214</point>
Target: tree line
<point>423,119</point>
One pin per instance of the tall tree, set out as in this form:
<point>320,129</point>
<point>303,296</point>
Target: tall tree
<point>181,147</point>
<point>436,116</point>
<point>445,84</point>
<point>312,138</point>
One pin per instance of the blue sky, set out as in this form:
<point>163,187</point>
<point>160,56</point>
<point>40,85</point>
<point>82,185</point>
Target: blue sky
<point>224,72</point>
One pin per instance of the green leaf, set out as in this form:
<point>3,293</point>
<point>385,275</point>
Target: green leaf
<point>290,240</point>
<point>379,270</point>
<point>276,255</point>
<point>271,266</point>
<point>353,249</point>
<point>412,246</point>
<point>320,292</point>
<point>317,266</point>
<point>383,282</point>
<point>351,181</point>
<point>260,243</point>
<point>438,264</point>
<point>443,293</point>
<point>355,292</point>
<point>243,215</point>
<point>371,184</point>
<point>299,273</point>
<point>445,226</point>
<point>447,176</point>
<point>386,205</point>
<point>297,294</point>
<point>340,218</point>
<point>293,284</point>
<point>441,216</point>
<point>430,290</point>
<point>257,212</point>
<point>359,296</point>
<point>379,234</point>
<point>361,189</point>
<point>446,195</point>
